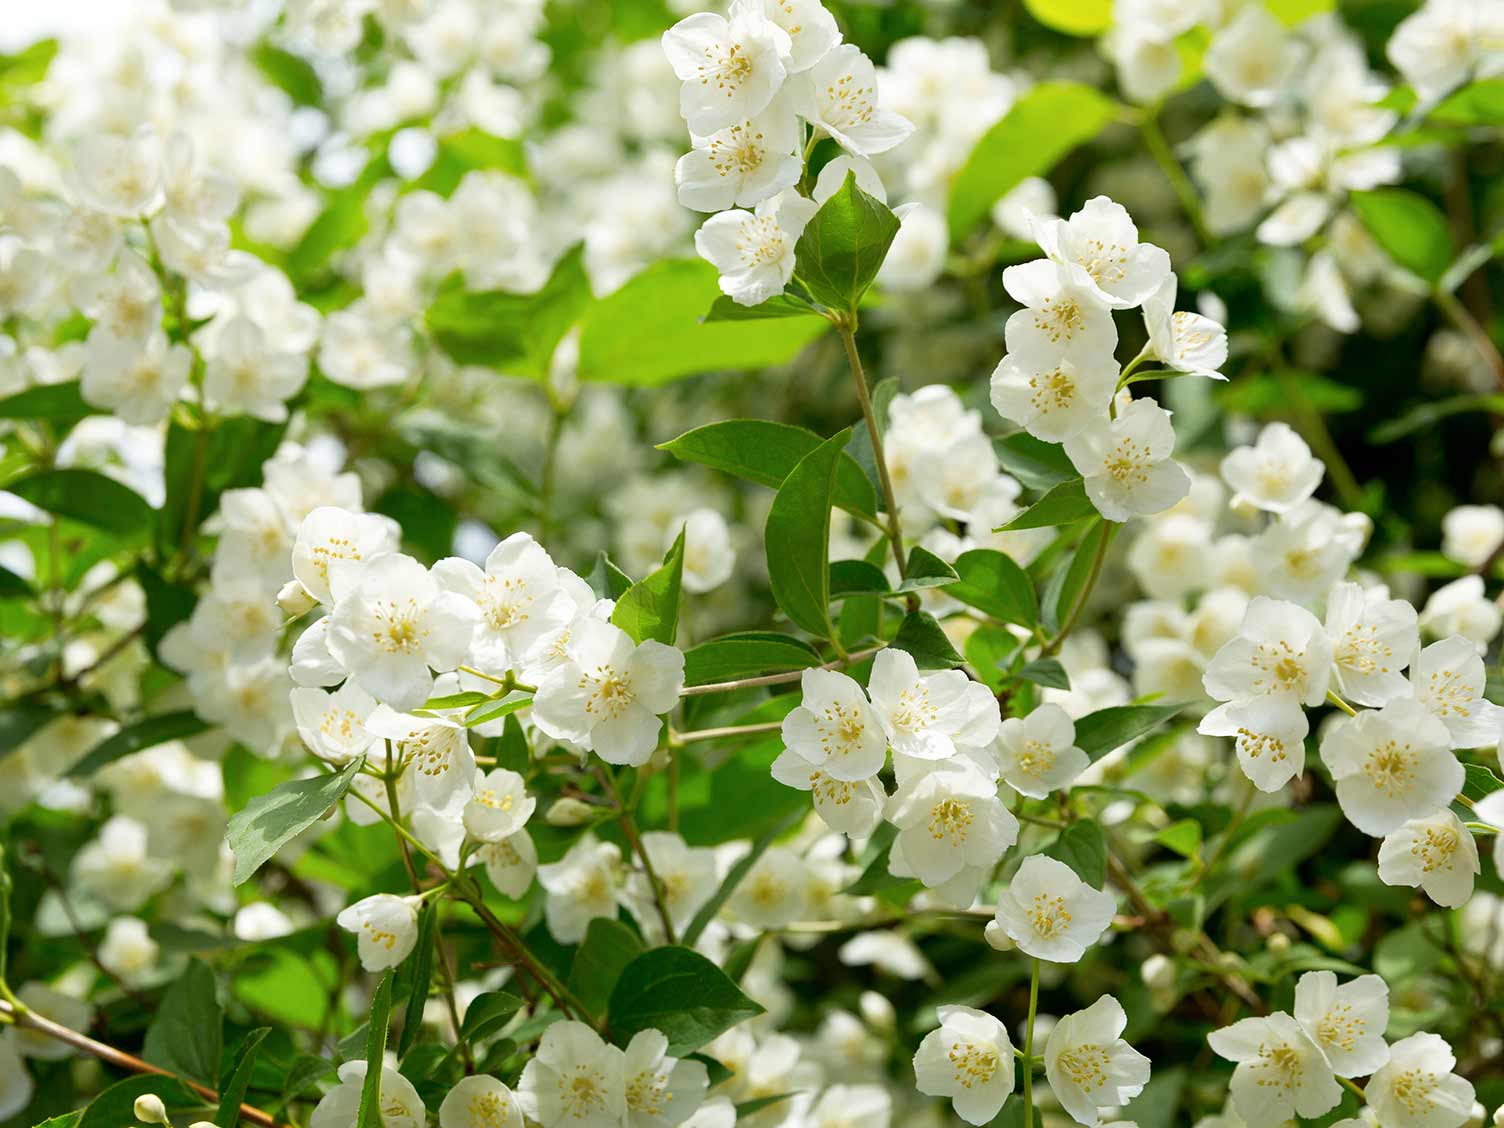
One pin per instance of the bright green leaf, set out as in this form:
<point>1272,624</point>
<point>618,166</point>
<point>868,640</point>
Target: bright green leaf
<point>186,1031</point>
<point>1409,227</point>
<point>992,583</point>
<point>747,655</point>
<point>609,946</point>
<point>270,821</point>
<point>923,638</point>
<point>843,246</point>
<point>88,498</point>
<point>1074,17</point>
<point>797,537</point>
<point>1099,733</point>
<point>376,1031</point>
<point>649,609</point>
<point>1063,504</point>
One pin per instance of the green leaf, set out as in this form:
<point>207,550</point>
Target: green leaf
<point>649,332</point>
<point>747,655</point>
<point>1478,781</point>
<point>923,638</point>
<point>233,455</point>
<point>88,498</point>
<point>649,609</point>
<point>376,1030</point>
<point>1083,847</point>
<point>186,1031</point>
<point>1030,139</point>
<point>607,580</point>
<point>797,537</point>
<point>1099,733</point>
<point>26,67</point>
<point>609,946</point>
<point>1075,576</point>
<point>1409,227</point>
<point>775,308</point>
<point>232,1096</point>
<point>843,246</point>
<point>56,403</point>
<point>514,333</point>
<point>270,821</point>
<point>926,570</point>
<point>1183,836</point>
<point>680,992</point>
<point>1478,103</point>
<point>765,452</point>
<point>1063,504</point>
<point>992,583</point>
<point>467,151</point>
<point>20,721</point>
<point>13,586</point>
<point>1074,17</point>
<point>421,963</point>
<point>488,1013</point>
<point>292,74</point>
<point>857,577</point>
<point>495,710</point>
<point>1034,462</point>
<point>1046,672</point>
<point>115,1107</point>
<point>147,733</point>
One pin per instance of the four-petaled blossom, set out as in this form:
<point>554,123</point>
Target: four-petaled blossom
<point>1088,1063</point>
<point>949,817</point>
<point>742,164</point>
<point>1126,462</point>
<point>1281,651</point>
<point>385,927</point>
<point>1181,340</point>
<point>968,1060</point>
<point>1391,765</point>
<point>610,693</point>
<point>1037,754</point>
<point>731,69</point>
<point>520,596</point>
<point>1060,318</point>
<point>1280,1074</point>
<point>1099,247</point>
<point>1416,1088</point>
<point>1373,640</point>
<point>661,1091</point>
<point>1276,473</point>
<point>499,807</point>
<point>1447,678</point>
<point>839,95</point>
<point>479,1101</point>
<point>1346,1022</point>
<point>574,1079</point>
<point>1054,398</point>
<point>401,1107</point>
<point>1435,854</point>
<point>1050,913</point>
<point>930,716</point>
<point>754,251</point>
<point>835,728</point>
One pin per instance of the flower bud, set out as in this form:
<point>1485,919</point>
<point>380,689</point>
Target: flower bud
<point>998,938</point>
<point>1158,972</point>
<point>1278,943</point>
<point>294,599</point>
<point>569,812</point>
<point>1478,1117</point>
<point>877,1011</point>
<point>149,1109</point>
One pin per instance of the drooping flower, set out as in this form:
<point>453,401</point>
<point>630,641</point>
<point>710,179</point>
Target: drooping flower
<point>1435,853</point>
<point>385,927</point>
<point>754,251</point>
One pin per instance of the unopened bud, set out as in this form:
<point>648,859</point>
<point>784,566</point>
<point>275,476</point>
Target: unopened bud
<point>295,599</point>
<point>1158,972</point>
<point>1478,1117</point>
<point>149,1109</point>
<point>999,939</point>
<point>877,1011</point>
<point>569,812</point>
<point>1278,943</point>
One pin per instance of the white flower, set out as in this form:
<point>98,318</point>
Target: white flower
<point>1347,1022</point>
<point>581,886</point>
<point>610,693</point>
<point>1126,462</point>
<point>687,876</point>
<point>841,1106</point>
<point>1088,1063</point>
<point>137,381</point>
<point>1373,640</point>
<point>1050,913</point>
<point>839,95</point>
<point>340,1107</point>
<point>519,595</point>
<point>246,375</point>
<point>754,252</point>
<point>120,176</point>
<point>1448,679</point>
<point>433,753</point>
<point>812,30</point>
<point>117,867</point>
<point>333,540</point>
<point>479,1102</point>
<point>499,807</point>
<point>1417,1088</point>
<point>385,927</point>
<point>574,1079</point>
<point>742,164</point>
<point>1269,735</point>
<point>1437,47</point>
<point>730,70</point>
<point>1462,608</point>
<point>1302,553</point>
<point>1276,474</point>
<point>64,1009</point>
<point>1061,316</point>
<point>1471,534</point>
<point>510,863</point>
<point>392,624</point>
<point>1184,341</point>
<point>255,543</point>
<point>916,257</point>
<point>128,950</point>
<point>853,807</point>
<point>774,892</point>
<point>1436,854</point>
<point>1250,60</point>
<point>1390,765</point>
<point>1053,399</point>
<point>1281,1073</point>
<point>1280,651</point>
<point>1099,247</point>
<point>930,715</point>
<point>709,557</point>
<point>949,817</point>
<point>333,725</point>
<point>968,1060</point>
<point>661,1091</point>
<point>835,728</point>
<point>1037,753</point>
<point>125,303</point>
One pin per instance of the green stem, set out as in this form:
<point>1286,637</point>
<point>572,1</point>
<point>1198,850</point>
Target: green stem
<point>1331,696</point>
<point>549,474</point>
<point>1028,1063</point>
<point>846,325</point>
<point>1180,183</point>
<point>1091,581</point>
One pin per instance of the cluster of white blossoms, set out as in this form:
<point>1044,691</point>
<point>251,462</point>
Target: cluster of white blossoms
<point>1289,1067</point>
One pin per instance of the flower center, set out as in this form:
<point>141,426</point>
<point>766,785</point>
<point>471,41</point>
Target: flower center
<point>1086,1065</point>
<point>974,1064</point>
<point>951,818</point>
<point>1391,768</point>
<point>1048,915</point>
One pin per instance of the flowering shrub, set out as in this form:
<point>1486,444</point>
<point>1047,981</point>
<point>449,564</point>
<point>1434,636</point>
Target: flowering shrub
<point>524,605</point>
